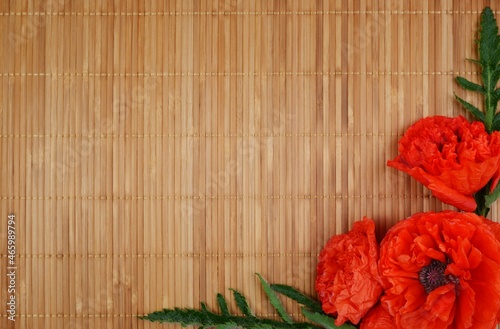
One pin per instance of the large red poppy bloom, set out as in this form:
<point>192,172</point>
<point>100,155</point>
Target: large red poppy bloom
<point>378,318</point>
<point>495,227</point>
<point>451,156</point>
<point>348,282</point>
<point>441,270</point>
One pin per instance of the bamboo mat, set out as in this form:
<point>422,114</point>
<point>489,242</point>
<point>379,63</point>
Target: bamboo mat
<point>155,153</point>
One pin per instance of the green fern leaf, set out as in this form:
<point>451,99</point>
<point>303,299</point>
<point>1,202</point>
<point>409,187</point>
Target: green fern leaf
<point>226,326</point>
<point>475,61</point>
<point>471,108</point>
<point>275,300</point>
<point>489,56</point>
<point>204,318</point>
<point>324,320</point>
<point>297,296</point>
<point>495,76</point>
<point>190,317</point>
<point>185,317</point>
<point>496,122</point>
<point>489,41</point>
<point>242,303</point>
<point>489,60</point>
<point>204,308</point>
<point>468,85</point>
<point>223,305</point>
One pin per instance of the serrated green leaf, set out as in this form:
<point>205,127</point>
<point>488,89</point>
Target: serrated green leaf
<point>242,303</point>
<point>223,305</point>
<point>185,317</point>
<point>324,320</point>
<point>496,122</point>
<point>206,319</point>
<point>468,85</point>
<point>492,197</point>
<point>274,300</point>
<point>489,56</point>
<point>297,296</point>
<point>489,60</point>
<point>475,61</point>
<point>204,308</point>
<point>488,38</point>
<point>191,317</point>
<point>471,108</point>
<point>226,326</point>
<point>495,76</point>
<point>496,57</point>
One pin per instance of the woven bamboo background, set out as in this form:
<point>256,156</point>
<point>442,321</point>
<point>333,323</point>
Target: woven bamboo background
<point>158,152</point>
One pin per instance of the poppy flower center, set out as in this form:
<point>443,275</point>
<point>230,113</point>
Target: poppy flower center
<point>432,276</point>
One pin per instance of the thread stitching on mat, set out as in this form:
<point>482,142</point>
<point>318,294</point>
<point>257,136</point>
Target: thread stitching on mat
<point>223,13</point>
<point>200,135</point>
<point>226,255</point>
<point>214,197</point>
<point>219,74</point>
<point>106,315</point>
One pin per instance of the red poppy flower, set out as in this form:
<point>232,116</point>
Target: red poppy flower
<point>451,156</point>
<point>378,318</point>
<point>348,282</point>
<point>495,227</point>
<point>441,270</point>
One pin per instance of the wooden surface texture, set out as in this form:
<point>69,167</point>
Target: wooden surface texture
<point>155,153</point>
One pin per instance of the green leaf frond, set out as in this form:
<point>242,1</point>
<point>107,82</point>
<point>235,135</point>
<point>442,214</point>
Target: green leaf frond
<point>204,318</point>
<point>489,61</point>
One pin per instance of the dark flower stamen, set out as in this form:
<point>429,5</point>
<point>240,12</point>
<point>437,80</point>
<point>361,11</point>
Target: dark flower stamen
<point>432,276</point>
